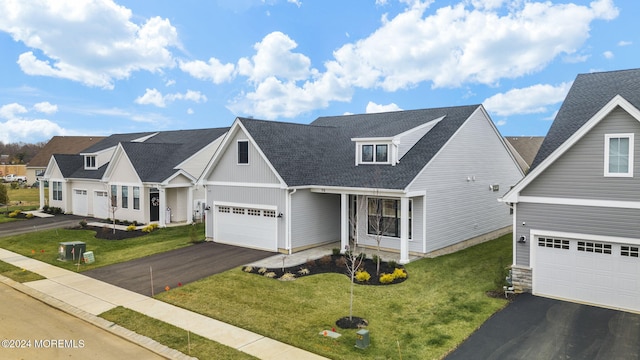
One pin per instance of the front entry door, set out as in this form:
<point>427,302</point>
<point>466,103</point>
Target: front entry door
<point>154,206</point>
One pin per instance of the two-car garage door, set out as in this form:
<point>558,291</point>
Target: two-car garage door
<point>589,271</point>
<point>247,226</point>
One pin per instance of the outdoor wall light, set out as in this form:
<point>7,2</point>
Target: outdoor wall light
<point>522,239</point>
<point>280,215</point>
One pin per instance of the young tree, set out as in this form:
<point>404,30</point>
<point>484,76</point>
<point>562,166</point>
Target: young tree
<point>378,225</point>
<point>4,196</point>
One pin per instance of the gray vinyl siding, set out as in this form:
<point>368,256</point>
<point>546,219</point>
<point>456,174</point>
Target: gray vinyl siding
<point>579,173</point>
<point>460,204</point>
<point>386,242</point>
<point>594,220</point>
<point>228,169</point>
<point>250,196</point>
<point>315,218</point>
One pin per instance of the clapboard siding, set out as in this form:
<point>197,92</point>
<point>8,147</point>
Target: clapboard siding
<point>315,218</point>
<point>594,220</point>
<point>460,204</point>
<point>579,173</point>
<point>228,169</point>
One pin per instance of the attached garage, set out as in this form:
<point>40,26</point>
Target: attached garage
<point>246,225</point>
<point>80,202</point>
<point>101,204</point>
<point>589,271</point>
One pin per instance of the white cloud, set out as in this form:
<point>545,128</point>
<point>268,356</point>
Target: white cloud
<point>530,100</point>
<point>624,43</point>
<point>46,107</point>
<point>461,44</point>
<point>297,3</point>
<point>608,55</point>
<point>155,97</point>
<point>169,83</point>
<point>378,108</point>
<point>18,128</point>
<point>92,41</point>
<point>190,111</point>
<point>213,70</point>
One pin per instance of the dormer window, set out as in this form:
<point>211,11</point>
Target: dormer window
<point>374,153</point>
<point>90,162</point>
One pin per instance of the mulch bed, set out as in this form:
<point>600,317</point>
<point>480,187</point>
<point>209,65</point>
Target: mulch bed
<point>329,264</point>
<point>107,233</point>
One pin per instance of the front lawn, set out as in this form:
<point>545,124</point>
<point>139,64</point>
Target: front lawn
<point>43,245</point>
<point>17,274</point>
<point>442,302</point>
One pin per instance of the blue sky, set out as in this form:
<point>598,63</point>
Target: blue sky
<point>97,67</point>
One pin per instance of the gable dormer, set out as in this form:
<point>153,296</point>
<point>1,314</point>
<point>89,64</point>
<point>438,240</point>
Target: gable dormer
<point>390,150</point>
<point>90,162</point>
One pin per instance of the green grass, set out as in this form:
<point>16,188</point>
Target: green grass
<point>20,199</point>
<point>172,336</point>
<point>17,274</point>
<point>43,245</point>
<point>442,302</point>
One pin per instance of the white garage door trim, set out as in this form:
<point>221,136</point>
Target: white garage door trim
<point>80,202</point>
<point>247,225</point>
<point>597,270</point>
<point>101,204</point>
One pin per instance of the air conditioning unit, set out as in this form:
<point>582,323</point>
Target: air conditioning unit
<point>71,250</point>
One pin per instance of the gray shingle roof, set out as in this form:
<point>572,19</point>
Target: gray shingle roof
<point>322,153</point>
<point>154,159</point>
<point>588,94</point>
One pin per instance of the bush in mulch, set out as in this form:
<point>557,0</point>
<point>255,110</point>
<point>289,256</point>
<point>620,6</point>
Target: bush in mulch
<point>107,233</point>
<point>390,272</point>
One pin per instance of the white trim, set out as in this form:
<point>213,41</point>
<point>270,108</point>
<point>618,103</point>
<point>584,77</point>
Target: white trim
<point>580,202</point>
<point>246,205</point>
<point>353,191</point>
<point>244,184</point>
<point>607,140</point>
<point>399,199</point>
<point>238,152</point>
<point>535,233</point>
<point>390,155</point>
<point>512,195</point>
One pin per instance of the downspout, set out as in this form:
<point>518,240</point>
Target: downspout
<point>287,219</point>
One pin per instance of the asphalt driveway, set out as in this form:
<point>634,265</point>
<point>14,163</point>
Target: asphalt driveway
<point>180,266</point>
<point>533,327</point>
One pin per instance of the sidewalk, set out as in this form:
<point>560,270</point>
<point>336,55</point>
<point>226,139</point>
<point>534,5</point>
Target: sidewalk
<point>88,298</point>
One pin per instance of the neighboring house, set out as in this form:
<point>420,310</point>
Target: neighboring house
<point>428,180</point>
<point>524,149</point>
<point>576,223</point>
<point>145,177</point>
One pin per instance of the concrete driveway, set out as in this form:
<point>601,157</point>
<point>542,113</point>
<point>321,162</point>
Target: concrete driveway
<point>180,266</point>
<point>533,327</point>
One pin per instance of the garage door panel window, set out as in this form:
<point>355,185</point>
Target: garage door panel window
<point>594,247</point>
<point>239,211</point>
<point>630,251</point>
<point>224,209</point>
<point>553,243</point>
<point>269,213</point>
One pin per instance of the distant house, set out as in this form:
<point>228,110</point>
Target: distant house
<point>427,181</point>
<point>576,225</point>
<point>525,149</point>
<point>144,177</point>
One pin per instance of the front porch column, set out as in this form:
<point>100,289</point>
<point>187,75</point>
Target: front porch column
<point>41,189</point>
<point>344,222</point>
<point>162,221</point>
<point>404,230</point>
<point>190,204</point>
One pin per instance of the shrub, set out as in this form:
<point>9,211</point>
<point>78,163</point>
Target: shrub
<point>287,277</point>
<point>335,251</point>
<point>341,262</point>
<point>386,278</point>
<point>29,216</point>
<point>375,258</point>
<point>131,228</point>
<point>149,228</point>
<point>399,274</point>
<point>270,274</point>
<point>248,269</point>
<point>310,263</point>
<point>14,213</point>
<point>45,208</point>
<point>362,276</point>
<point>15,185</point>
<point>325,260</point>
<point>304,271</point>
<point>83,223</point>
<point>392,264</point>
<point>262,271</point>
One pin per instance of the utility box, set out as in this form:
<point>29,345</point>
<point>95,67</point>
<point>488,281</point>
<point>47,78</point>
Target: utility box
<point>71,250</point>
<point>362,339</point>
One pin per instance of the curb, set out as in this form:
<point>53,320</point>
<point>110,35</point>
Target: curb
<point>99,322</point>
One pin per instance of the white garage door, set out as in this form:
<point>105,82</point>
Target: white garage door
<point>101,205</point>
<point>80,202</point>
<point>252,227</point>
<point>595,272</point>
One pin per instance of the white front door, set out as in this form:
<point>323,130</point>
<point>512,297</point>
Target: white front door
<point>247,226</point>
<point>587,271</point>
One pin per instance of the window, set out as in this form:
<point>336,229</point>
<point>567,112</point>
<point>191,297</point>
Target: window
<point>239,211</point>
<point>380,155</point>
<point>269,213</point>
<point>631,251</point>
<point>384,217</point>
<point>90,162</point>
<point>553,243</point>
<point>594,247</point>
<point>243,152</point>
<point>125,197</point>
<point>114,195</point>
<point>224,209</point>
<point>618,155</point>
<point>136,198</point>
<point>254,212</point>
<point>57,190</point>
